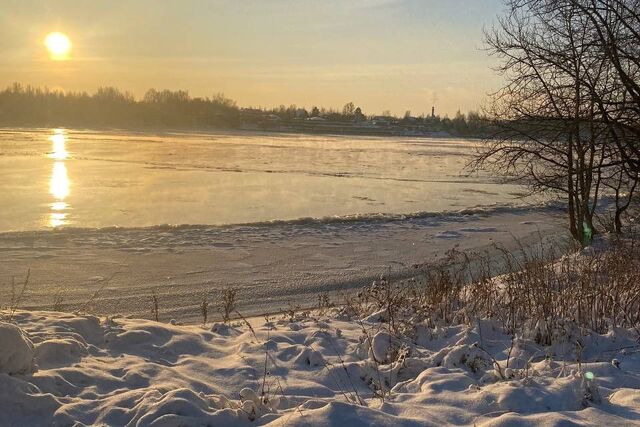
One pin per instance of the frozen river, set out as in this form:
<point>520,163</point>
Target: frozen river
<point>280,217</point>
<point>66,178</point>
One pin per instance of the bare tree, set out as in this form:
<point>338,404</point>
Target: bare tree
<point>612,32</point>
<point>549,137</point>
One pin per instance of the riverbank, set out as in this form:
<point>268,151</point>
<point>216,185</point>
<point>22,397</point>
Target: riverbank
<point>449,354</point>
<point>272,267</point>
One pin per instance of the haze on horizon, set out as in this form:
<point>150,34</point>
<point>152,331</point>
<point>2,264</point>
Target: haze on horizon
<point>392,55</point>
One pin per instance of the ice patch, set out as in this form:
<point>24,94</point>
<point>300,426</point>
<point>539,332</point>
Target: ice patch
<point>449,234</point>
<point>479,229</point>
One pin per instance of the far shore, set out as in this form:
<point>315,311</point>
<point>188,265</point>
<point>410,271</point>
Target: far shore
<point>159,130</point>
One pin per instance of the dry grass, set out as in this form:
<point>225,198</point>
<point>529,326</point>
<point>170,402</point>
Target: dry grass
<point>227,303</point>
<point>155,306</point>
<point>542,291</point>
<point>17,296</point>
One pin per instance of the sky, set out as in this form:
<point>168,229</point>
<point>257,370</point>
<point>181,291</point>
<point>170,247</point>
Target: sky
<point>382,55</point>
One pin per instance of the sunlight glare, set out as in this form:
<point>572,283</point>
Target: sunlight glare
<point>58,149</point>
<point>59,189</point>
<point>57,219</point>
<point>59,206</point>
<point>59,184</point>
<point>58,45</point>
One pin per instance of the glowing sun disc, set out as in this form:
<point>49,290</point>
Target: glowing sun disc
<point>58,45</point>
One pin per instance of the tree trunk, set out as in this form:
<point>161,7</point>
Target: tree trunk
<point>618,220</point>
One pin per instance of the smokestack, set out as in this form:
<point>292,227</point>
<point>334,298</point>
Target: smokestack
<point>433,112</point>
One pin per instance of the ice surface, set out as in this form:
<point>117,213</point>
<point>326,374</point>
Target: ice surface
<point>281,217</point>
<point>70,178</point>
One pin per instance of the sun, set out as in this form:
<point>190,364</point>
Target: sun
<point>58,45</point>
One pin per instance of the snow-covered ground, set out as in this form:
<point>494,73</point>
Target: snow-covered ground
<point>307,369</point>
<point>270,266</point>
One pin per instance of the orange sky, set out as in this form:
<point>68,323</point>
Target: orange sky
<point>381,54</point>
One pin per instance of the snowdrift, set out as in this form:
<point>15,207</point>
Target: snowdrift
<point>306,370</point>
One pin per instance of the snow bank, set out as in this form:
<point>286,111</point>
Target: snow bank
<point>317,370</point>
<point>16,350</point>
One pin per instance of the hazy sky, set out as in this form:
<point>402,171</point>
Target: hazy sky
<point>381,54</point>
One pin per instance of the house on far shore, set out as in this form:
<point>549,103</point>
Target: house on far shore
<point>383,120</point>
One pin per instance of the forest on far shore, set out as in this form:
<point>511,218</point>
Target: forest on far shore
<point>25,105</point>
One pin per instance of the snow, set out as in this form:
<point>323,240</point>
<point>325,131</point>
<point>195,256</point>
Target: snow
<point>17,350</point>
<point>269,265</point>
<point>305,370</point>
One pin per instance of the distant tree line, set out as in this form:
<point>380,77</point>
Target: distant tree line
<point>108,106</point>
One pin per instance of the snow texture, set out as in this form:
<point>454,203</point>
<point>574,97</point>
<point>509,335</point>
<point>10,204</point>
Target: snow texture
<point>70,369</point>
<point>16,350</point>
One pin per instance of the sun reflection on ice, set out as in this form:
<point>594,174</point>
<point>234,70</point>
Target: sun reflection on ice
<point>59,183</point>
<point>58,142</point>
<point>56,219</point>
<point>59,206</point>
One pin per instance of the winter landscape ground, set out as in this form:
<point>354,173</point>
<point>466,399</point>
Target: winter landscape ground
<point>528,348</point>
<point>405,213</point>
<point>281,218</point>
